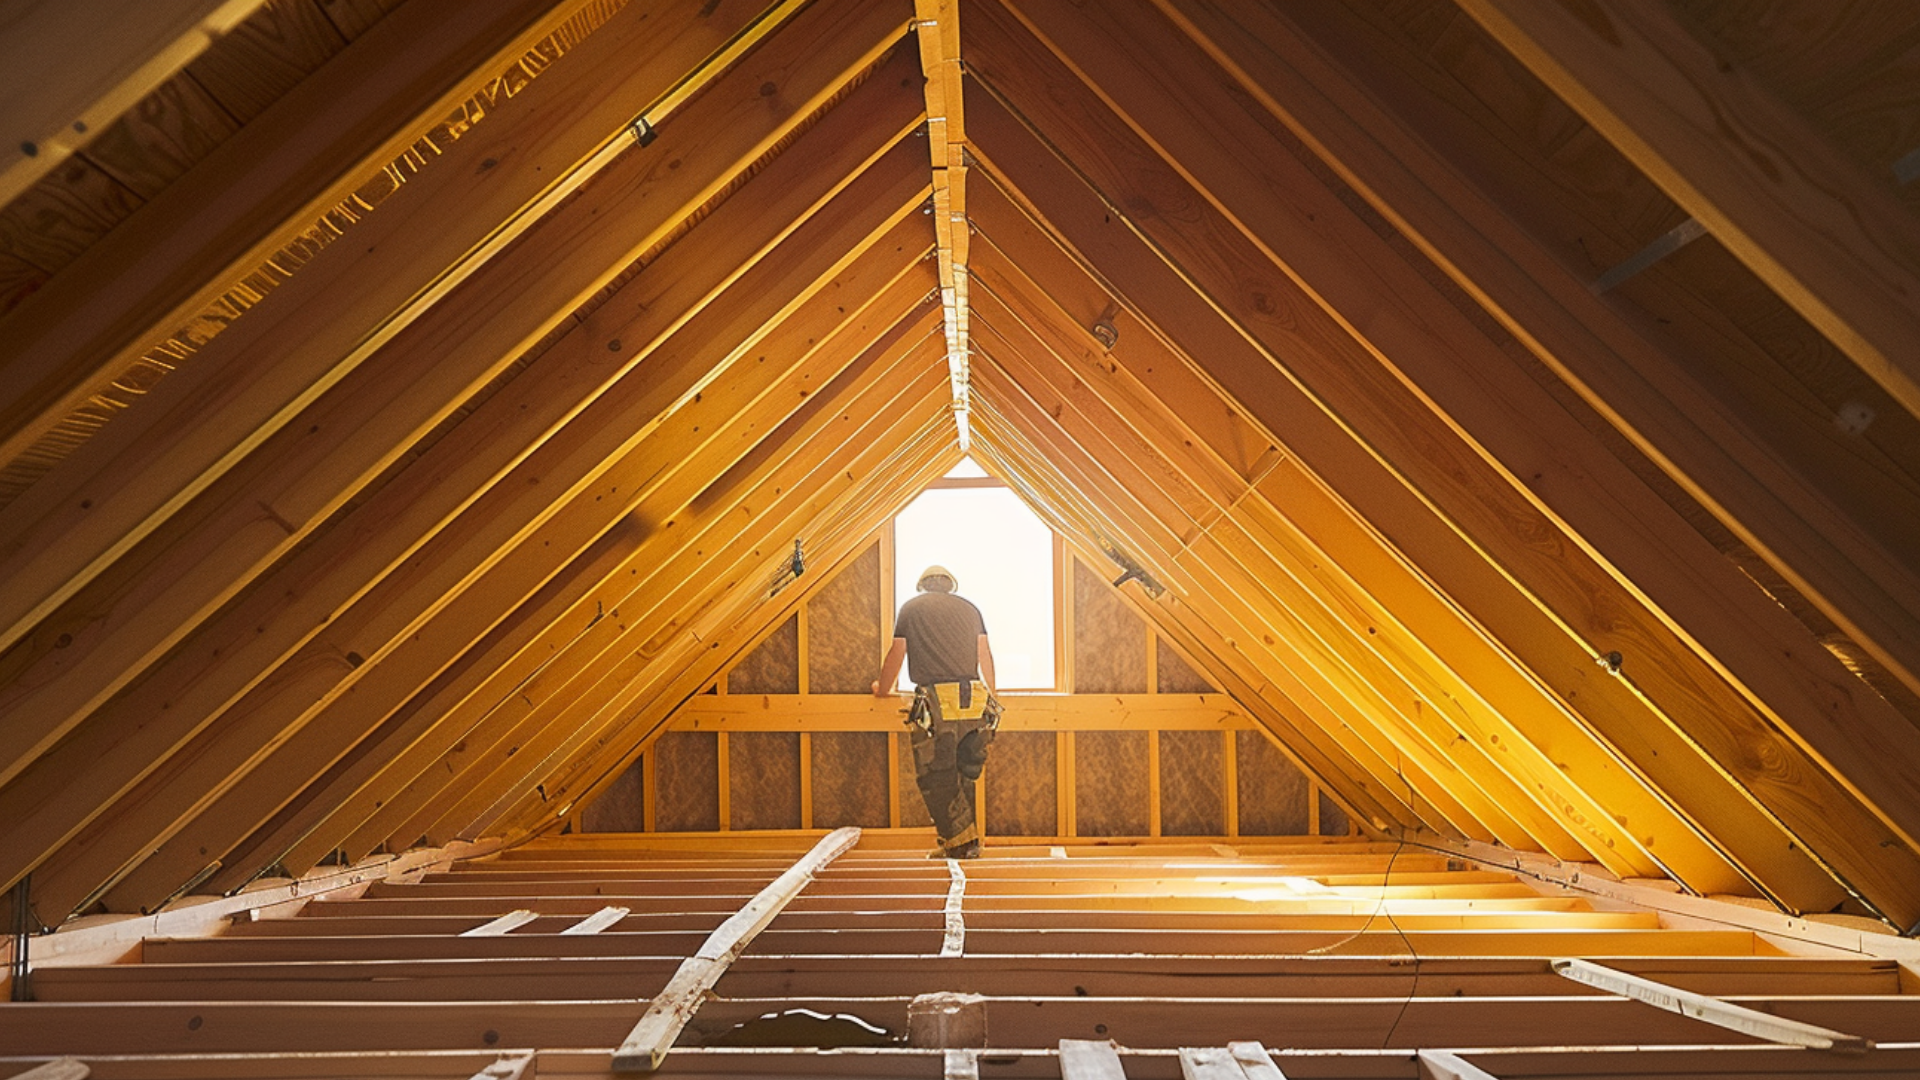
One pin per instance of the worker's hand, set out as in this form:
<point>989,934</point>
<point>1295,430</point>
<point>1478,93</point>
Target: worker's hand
<point>877,692</point>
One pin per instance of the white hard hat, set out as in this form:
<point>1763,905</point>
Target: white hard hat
<point>934,572</point>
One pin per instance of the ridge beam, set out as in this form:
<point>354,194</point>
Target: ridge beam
<point>938,24</point>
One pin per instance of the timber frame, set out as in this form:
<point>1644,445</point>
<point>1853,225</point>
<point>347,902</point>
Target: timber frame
<point>1485,427</point>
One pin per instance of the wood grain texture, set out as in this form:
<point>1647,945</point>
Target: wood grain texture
<point>773,667</point>
<point>1110,783</point>
<point>849,779</point>
<point>843,629</point>
<point>1193,785</point>
<point>1109,640</point>
<point>688,773</point>
<point>1175,675</point>
<point>267,55</point>
<point>619,808</point>
<point>63,214</point>
<point>1022,786</point>
<point>763,779</point>
<point>354,17</point>
<point>1273,790</point>
<point>161,137</point>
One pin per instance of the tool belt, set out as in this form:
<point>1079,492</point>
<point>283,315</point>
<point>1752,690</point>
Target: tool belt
<point>953,701</point>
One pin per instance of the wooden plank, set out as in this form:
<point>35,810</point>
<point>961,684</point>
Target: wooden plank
<point>509,1067</point>
<point>503,925</point>
<point>1254,1060</point>
<point>66,1068</point>
<point>1445,1065</point>
<point>1833,242</point>
<point>1209,1063</point>
<point>598,921</point>
<point>74,71</point>
<point>1714,1011</point>
<point>646,1046</point>
<point>1026,711</point>
<point>1084,1059</point>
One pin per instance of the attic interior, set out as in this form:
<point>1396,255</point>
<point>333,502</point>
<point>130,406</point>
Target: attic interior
<point>460,461</point>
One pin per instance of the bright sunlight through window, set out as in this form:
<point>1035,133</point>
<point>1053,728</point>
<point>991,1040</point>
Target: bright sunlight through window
<point>1003,556</point>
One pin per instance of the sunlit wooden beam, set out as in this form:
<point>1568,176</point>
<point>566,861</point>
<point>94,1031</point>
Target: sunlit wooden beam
<point>938,24</point>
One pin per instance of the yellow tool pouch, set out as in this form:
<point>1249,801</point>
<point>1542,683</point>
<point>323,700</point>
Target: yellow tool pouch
<point>950,708</point>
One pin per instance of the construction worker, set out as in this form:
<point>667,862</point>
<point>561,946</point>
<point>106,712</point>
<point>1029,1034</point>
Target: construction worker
<point>943,639</point>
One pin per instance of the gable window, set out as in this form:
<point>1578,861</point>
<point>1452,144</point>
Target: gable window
<point>1002,555</point>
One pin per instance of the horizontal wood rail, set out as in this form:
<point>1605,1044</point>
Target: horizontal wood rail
<point>1026,711</point>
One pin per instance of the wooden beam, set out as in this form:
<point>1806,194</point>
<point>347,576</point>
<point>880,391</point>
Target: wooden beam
<point>1761,485</point>
<point>591,446</point>
<point>573,692</point>
<point>1548,581</point>
<point>938,26</point>
<point>133,293</point>
<point>73,71</point>
<point>646,1046</point>
<point>346,303</point>
<point>498,666</point>
<point>307,475</point>
<point>591,755</point>
<point>1093,484</point>
<point>1406,617</point>
<point>422,771</point>
<point>540,554</point>
<point>1712,1010</point>
<point>1446,710</point>
<point>693,605</point>
<point>1026,711</point>
<point>1835,244</point>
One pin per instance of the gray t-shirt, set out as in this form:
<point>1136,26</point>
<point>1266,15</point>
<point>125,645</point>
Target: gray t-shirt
<point>942,632</point>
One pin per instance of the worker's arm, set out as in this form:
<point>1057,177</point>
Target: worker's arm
<point>890,668</point>
<point>986,665</point>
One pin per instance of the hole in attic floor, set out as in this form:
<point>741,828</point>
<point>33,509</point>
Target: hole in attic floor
<point>804,1027</point>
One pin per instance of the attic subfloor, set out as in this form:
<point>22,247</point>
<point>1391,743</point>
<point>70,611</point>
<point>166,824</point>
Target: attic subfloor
<point>1318,957</point>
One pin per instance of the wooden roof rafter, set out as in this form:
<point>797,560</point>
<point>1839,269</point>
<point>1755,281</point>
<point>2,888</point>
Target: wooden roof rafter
<point>937,23</point>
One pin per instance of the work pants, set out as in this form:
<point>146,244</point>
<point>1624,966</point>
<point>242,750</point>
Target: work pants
<point>946,762</point>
